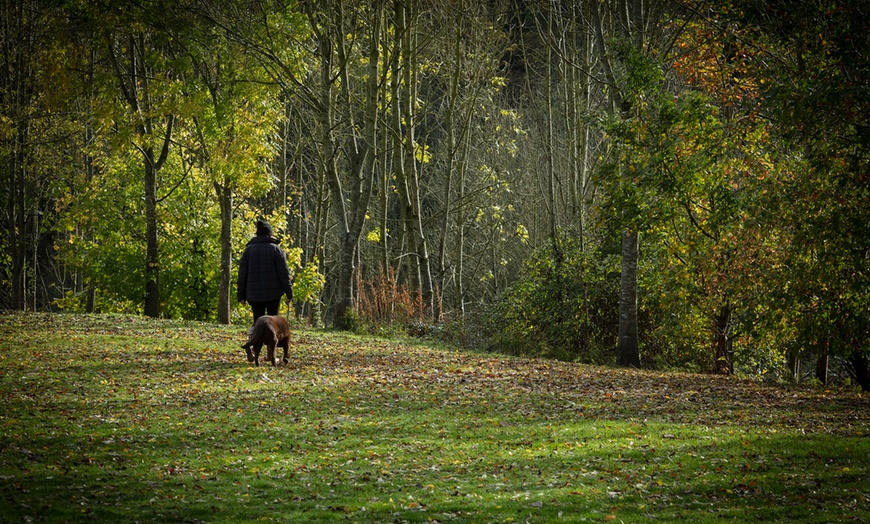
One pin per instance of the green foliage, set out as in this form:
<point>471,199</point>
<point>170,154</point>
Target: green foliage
<point>664,156</point>
<point>308,283</point>
<point>561,309</point>
<point>820,198</point>
<point>190,283</point>
<point>102,241</point>
<point>639,73</point>
<point>675,334</point>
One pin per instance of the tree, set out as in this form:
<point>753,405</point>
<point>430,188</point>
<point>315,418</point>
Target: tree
<point>139,58</point>
<point>407,152</point>
<point>709,147</point>
<point>464,96</point>
<point>233,123</point>
<point>329,25</point>
<point>625,36</point>
<point>24,26</point>
<point>826,202</point>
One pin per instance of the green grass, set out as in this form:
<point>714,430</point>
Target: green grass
<point>124,419</point>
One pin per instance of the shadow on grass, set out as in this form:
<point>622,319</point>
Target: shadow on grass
<point>389,466</point>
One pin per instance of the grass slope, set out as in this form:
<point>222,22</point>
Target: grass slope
<point>123,419</point>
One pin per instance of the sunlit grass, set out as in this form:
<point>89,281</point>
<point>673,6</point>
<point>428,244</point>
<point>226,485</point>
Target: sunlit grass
<point>121,419</point>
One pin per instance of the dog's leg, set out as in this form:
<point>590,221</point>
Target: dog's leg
<point>271,353</point>
<point>286,345</point>
<point>256,351</point>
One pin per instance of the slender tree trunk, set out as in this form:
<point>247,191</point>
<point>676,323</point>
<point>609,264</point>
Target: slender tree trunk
<point>551,151</point>
<point>410,72</point>
<point>351,205</point>
<point>386,270</point>
<point>861,369</point>
<point>152,261</point>
<point>18,237</point>
<point>225,199</point>
<point>722,333</point>
<point>794,365</point>
<point>582,133</point>
<point>822,363</point>
<point>17,82</point>
<point>90,171</point>
<point>461,193</point>
<point>627,351</point>
<point>407,177</point>
<point>452,151</point>
<point>135,87</point>
<point>385,190</point>
<point>397,151</point>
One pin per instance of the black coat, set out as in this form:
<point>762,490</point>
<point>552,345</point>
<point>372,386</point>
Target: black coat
<point>263,272</point>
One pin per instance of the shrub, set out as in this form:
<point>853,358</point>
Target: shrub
<point>563,307</point>
<point>385,306</point>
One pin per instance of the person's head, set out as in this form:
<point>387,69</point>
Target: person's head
<point>263,228</point>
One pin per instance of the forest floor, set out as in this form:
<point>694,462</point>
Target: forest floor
<point>126,419</point>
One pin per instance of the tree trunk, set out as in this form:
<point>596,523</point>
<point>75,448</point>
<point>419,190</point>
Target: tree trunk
<point>152,259</point>
<point>407,176</point>
<point>134,83</point>
<point>347,244</point>
<point>861,370</point>
<point>386,190</point>
<point>724,364</point>
<point>351,205</point>
<point>794,365</point>
<point>18,93</point>
<point>152,262</point>
<point>225,199</point>
<point>581,132</point>
<point>90,171</point>
<point>459,257</point>
<point>18,219</point>
<point>450,126</point>
<point>627,351</point>
<point>90,306</point>
<point>551,153</point>
<point>822,364</point>
<point>398,156</point>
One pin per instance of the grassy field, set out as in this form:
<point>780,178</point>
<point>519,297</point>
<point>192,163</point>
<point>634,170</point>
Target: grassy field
<point>124,419</point>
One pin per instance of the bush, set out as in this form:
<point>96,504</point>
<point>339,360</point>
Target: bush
<point>386,307</point>
<point>563,307</point>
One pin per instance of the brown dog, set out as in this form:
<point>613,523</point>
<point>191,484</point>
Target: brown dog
<point>273,331</point>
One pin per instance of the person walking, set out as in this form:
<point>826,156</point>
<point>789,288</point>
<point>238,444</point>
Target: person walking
<point>263,273</point>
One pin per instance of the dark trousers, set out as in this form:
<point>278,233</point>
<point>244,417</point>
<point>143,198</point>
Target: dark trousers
<point>271,307</point>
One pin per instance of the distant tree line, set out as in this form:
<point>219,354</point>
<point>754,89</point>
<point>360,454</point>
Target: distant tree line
<point>667,183</point>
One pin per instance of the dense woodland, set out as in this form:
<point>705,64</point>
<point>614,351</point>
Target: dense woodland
<point>655,183</point>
